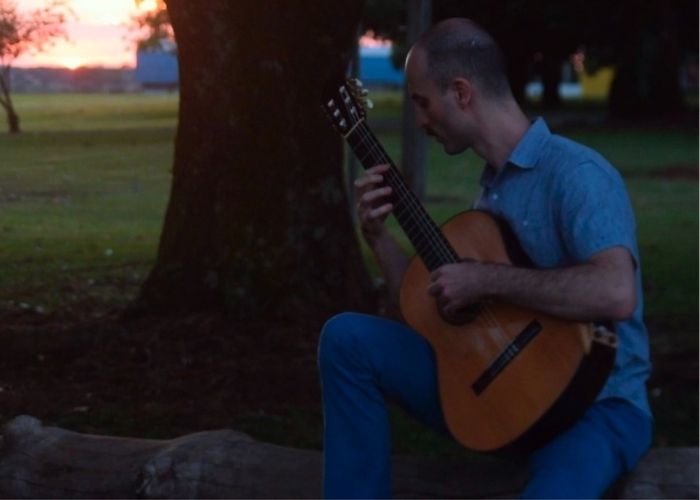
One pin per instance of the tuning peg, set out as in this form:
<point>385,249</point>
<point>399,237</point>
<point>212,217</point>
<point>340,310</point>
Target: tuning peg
<point>356,83</point>
<point>360,93</point>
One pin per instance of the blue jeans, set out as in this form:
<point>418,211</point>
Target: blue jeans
<point>365,360</point>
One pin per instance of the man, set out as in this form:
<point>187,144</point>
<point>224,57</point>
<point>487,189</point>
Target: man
<point>570,212</point>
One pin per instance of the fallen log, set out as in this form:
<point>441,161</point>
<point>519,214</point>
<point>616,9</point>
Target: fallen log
<point>49,462</point>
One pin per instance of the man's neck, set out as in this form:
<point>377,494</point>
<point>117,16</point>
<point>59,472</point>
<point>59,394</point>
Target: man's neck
<point>503,125</point>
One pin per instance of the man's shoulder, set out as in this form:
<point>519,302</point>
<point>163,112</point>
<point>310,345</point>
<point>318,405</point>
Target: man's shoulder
<point>569,157</point>
<point>542,146</point>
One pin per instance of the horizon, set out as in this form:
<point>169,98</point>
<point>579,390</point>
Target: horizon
<point>98,36</point>
<point>101,36</point>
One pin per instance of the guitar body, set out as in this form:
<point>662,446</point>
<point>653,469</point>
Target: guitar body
<point>509,378</point>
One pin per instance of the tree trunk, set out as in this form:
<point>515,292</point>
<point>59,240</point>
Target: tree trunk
<point>646,79</point>
<point>48,462</point>
<point>257,221</point>
<point>13,121</point>
<point>6,101</point>
<point>551,78</point>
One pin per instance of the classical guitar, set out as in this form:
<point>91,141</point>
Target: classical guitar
<point>510,378</point>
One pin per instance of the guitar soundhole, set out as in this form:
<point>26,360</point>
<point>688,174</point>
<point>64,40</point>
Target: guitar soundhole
<point>463,316</point>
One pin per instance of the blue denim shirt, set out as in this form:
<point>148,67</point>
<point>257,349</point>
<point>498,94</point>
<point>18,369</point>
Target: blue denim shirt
<point>565,202</point>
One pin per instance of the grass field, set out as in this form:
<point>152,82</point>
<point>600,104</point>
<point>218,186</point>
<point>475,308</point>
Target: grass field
<point>83,191</point>
<point>82,195</point>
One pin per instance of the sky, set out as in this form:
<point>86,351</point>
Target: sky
<point>98,36</point>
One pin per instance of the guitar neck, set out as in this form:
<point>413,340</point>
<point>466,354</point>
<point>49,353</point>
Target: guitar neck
<point>425,236</point>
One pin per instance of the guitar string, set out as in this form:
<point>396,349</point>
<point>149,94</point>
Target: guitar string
<point>488,319</point>
<point>410,204</point>
<point>434,237</point>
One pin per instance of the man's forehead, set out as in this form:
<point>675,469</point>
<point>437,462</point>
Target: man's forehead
<point>415,69</point>
<point>416,58</point>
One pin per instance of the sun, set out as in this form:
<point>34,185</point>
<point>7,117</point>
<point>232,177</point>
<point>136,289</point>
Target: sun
<point>147,5</point>
<point>70,62</point>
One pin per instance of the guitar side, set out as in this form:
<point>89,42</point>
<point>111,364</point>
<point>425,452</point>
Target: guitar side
<point>505,371</point>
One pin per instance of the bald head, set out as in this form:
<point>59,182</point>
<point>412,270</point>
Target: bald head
<point>459,47</point>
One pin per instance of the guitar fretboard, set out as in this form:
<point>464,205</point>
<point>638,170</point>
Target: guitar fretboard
<point>425,236</point>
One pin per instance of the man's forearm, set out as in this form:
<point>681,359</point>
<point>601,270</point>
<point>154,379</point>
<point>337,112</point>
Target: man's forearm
<point>584,292</point>
<point>392,261</point>
<point>603,288</point>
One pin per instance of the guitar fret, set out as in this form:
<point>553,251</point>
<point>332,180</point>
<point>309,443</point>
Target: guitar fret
<point>425,236</point>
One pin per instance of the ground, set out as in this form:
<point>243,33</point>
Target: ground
<point>163,377</point>
<point>154,376</point>
<point>94,369</point>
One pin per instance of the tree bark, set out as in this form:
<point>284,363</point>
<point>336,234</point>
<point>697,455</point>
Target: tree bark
<point>6,101</point>
<point>48,462</point>
<point>257,221</point>
<point>13,121</point>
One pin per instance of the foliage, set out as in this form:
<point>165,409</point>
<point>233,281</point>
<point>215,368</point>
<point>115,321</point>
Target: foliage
<point>153,29</point>
<point>21,33</point>
<point>646,40</point>
<point>386,18</point>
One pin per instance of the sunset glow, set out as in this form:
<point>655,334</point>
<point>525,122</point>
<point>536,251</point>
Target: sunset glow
<point>98,36</point>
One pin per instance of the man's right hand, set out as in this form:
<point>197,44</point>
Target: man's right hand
<point>374,204</point>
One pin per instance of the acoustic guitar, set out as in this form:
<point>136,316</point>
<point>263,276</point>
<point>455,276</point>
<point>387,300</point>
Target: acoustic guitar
<point>510,378</point>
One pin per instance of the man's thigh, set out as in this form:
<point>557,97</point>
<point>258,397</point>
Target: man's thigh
<point>585,460</point>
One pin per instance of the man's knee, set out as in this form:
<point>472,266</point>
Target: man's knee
<point>338,337</point>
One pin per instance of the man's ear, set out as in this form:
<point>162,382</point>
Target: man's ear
<point>463,91</point>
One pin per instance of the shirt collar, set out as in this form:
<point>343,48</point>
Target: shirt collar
<point>530,146</point>
<point>526,152</point>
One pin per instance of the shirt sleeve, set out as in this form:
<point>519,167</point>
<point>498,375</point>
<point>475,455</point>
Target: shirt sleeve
<point>596,213</point>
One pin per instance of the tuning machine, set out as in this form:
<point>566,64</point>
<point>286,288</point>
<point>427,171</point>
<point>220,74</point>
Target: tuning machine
<point>360,93</point>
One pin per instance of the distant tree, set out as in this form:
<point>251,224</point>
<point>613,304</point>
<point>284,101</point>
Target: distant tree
<point>154,32</point>
<point>21,33</point>
<point>386,18</point>
<point>258,223</point>
<point>646,41</point>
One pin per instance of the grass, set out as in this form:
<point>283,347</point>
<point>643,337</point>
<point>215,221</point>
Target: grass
<point>83,192</point>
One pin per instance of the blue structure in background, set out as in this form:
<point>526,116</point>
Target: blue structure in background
<point>157,70</point>
<point>376,68</point>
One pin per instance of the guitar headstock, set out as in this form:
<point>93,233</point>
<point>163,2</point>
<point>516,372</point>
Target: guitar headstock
<point>346,103</point>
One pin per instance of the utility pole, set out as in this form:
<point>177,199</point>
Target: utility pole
<point>413,144</point>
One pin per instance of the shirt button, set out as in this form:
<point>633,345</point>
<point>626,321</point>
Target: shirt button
<point>525,223</point>
<point>494,196</point>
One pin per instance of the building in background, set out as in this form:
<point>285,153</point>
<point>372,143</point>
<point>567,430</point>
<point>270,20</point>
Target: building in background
<point>376,68</point>
<point>157,70</point>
